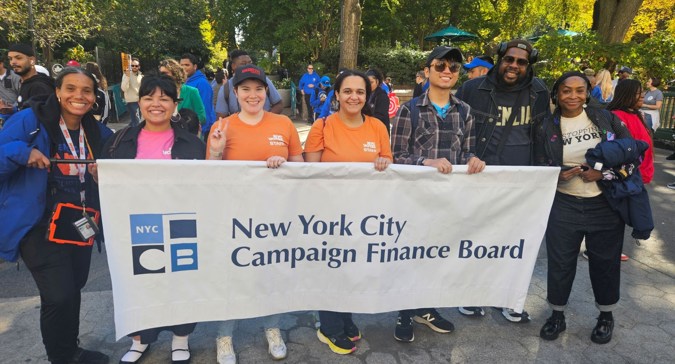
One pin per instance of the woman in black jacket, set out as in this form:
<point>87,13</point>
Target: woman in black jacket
<point>580,210</point>
<point>379,100</point>
<point>157,137</point>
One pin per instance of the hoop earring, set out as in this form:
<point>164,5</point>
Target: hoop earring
<point>175,118</point>
<point>96,106</point>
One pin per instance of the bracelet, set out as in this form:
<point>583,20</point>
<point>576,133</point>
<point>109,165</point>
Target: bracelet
<point>218,154</point>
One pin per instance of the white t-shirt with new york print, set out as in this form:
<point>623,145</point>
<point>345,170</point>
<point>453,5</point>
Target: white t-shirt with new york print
<point>579,134</point>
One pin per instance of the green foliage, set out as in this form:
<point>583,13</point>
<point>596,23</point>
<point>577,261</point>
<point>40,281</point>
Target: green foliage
<point>155,29</point>
<point>558,54</point>
<point>55,22</point>
<point>400,64</point>
<point>654,56</point>
<point>77,53</point>
<point>282,84</point>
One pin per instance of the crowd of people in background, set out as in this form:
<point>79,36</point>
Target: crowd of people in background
<point>502,115</point>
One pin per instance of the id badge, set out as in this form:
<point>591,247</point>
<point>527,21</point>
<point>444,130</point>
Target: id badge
<point>86,227</point>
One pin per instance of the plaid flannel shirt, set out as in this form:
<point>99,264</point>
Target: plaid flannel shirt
<point>453,137</point>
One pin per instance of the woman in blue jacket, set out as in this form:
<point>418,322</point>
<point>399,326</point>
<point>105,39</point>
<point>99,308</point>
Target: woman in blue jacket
<point>58,126</point>
<point>580,210</point>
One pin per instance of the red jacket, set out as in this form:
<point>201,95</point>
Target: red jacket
<point>639,132</point>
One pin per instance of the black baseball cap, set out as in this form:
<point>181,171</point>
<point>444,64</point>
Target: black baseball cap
<point>249,72</point>
<point>445,52</point>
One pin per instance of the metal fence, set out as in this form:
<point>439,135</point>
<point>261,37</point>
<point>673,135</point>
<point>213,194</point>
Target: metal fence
<point>667,129</point>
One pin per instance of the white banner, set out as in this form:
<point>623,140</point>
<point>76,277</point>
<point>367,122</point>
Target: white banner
<point>193,241</point>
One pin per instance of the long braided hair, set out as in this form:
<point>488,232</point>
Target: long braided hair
<point>626,95</point>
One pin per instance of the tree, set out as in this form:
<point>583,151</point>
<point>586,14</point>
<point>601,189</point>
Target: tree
<point>155,29</point>
<point>56,22</point>
<point>653,16</point>
<point>612,18</point>
<point>349,35</point>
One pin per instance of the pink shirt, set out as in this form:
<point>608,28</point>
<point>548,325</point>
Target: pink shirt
<point>154,144</point>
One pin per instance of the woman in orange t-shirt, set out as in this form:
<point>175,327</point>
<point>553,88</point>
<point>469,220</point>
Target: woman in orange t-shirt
<point>254,135</point>
<point>350,135</point>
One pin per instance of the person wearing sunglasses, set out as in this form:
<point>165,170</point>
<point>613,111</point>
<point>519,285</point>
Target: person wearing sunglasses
<point>506,103</point>
<point>131,82</point>
<point>308,84</point>
<point>434,130</point>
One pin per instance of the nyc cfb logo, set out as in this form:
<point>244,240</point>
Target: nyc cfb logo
<point>161,241</point>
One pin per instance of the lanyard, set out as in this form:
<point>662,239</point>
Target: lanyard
<point>81,168</point>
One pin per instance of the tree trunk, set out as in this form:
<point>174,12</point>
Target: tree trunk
<point>351,25</point>
<point>613,18</point>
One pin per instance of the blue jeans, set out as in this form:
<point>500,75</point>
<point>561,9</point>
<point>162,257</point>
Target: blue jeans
<point>572,219</point>
<point>132,108</point>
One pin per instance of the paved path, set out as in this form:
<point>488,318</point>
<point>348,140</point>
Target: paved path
<point>644,332</point>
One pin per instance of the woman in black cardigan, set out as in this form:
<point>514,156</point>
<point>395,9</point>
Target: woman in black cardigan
<point>379,100</point>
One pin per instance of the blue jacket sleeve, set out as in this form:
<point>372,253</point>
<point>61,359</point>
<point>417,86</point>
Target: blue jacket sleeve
<point>16,144</point>
<point>325,109</point>
<point>275,98</point>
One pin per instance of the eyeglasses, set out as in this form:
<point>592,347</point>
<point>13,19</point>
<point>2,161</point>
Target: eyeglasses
<point>519,61</point>
<point>442,65</point>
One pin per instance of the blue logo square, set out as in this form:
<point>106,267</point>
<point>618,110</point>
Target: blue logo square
<point>184,257</point>
<point>182,229</point>
<point>146,229</point>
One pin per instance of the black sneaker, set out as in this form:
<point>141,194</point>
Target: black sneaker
<point>671,157</point>
<point>471,311</point>
<point>552,328</point>
<point>404,329</point>
<point>352,332</point>
<point>434,321</point>
<point>338,344</point>
<point>83,356</point>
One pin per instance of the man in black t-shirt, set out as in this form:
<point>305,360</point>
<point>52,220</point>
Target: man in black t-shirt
<point>505,104</point>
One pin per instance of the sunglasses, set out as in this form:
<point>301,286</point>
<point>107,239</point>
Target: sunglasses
<point>519,61</point>
<point>135,66</point>
<point>441,66</point>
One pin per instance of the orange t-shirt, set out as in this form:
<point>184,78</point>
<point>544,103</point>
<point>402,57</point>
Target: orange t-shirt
<point>341,143</point>
<point>274,135</point>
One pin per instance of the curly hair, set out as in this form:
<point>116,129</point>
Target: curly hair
<point>176,71</point>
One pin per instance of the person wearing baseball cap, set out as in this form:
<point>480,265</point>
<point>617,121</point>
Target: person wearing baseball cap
<point>479,66</point>
<point>22,61</point>
<point>253,134</point>
<point>506,103</point>
<point>453,142</point>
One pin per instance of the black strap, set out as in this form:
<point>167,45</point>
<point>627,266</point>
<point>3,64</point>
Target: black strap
<point>116,141</point>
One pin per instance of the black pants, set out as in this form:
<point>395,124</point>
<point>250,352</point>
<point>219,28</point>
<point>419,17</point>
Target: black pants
<point>572,219</point>
<point>334,323</point>
<point>310,109</point>
<point>60,271</point>
<point>149,336</point>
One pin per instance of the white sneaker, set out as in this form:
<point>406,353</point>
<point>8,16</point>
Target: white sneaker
<point>225,350</point>
<point>277,347</point>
